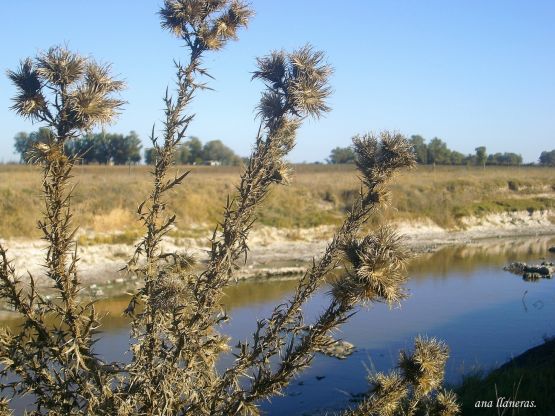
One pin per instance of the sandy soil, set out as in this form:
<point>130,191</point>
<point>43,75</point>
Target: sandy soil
<point>276,252</point>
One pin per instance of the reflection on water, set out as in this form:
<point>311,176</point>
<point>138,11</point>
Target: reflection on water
<point>459,294</point>
<point>465,258</point>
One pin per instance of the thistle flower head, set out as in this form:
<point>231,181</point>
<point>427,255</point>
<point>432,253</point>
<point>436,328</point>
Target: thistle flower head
<point>4,407</point>
<point>181,16</point>
<point>168,292</point>
<point>388,391</point>
<point>97,77</point>
<point>445,404</point>
<point>425,367</point>
<point>208,24</point>
<point>65,82</point>
<point>179,262</point>
<point>272,105</point>
<point>29,101</point>
<point>378,268</point>
<point>281,172</point>
<point>297,83</point>
<point>379,158</point>
<point>272,68</point>
<point>309,82</point>
<point>91,103</point>
<point>60,67</point>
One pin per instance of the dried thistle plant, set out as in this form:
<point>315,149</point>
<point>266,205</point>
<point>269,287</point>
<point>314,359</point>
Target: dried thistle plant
<point>416,389</point>
<point>68,94</point>
<point>176,313</point>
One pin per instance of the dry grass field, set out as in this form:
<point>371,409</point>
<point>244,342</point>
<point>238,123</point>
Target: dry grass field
<point>106,197</point>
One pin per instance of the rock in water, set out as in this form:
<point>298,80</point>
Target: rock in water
<point>517,267</point>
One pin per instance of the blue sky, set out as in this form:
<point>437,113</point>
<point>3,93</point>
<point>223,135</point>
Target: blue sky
<point>470,72</point>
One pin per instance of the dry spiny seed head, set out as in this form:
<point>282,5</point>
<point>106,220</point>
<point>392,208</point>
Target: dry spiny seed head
<point>378,158</point>
<point>4,407</point>
<point>51,152</point>
<point>379,265</point>
<point>29,100</point>
<point>272,68</point>
<point>388,391</point>
<point>425,367</point>
<point>297,83</point>
<point>85,87</point>
<point>211,22</point>
<point>445,404</point>
<point>169,292</point>
<point>179,262</point>
<point>90,106</point>
<point>309,88</point>
<point>380,250</point>
<point>185,261</point>
<point>97,77</point>
<point>60,67</point>
<point>271,105</point>
<point>281,172</point>
<point>181,16</point>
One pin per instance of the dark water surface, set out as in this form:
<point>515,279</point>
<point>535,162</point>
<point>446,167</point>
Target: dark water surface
<point>459,294</point>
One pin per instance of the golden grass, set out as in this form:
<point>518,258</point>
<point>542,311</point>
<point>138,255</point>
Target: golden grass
<point>106,197</point>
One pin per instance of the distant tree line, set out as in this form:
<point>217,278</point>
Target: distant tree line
<point>342,155</point>
<point>547,158</point>
<point>436,152</point>
<point>102,148</point>
<point>118,149</point>
<point>193,152</point>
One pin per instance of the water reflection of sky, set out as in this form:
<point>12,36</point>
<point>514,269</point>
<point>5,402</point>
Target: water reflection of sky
<point>459,294</point>
<point>484,314</point>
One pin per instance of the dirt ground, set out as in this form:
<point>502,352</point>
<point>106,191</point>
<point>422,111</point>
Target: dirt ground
<point>275,252</point>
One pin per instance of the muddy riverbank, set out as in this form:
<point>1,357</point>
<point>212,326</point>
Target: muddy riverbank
<point>277,252</point>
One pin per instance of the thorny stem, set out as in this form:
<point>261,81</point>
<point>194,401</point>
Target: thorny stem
<point>54,361</point>
<point>267,339</point>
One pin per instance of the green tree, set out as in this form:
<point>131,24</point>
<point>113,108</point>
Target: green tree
<point>469,160</point>
<point>149,155</point>
<point>438,153</point>
<point>195,150</point>
<point>481,156</point>
<point>513,159</point>
<point>22,144</point>
<point>124,149</point>
<point>342,155</point>
<point>104,148</point>
<point>216,150</point>
<point>547,158</point>
<point>457,158</point>
<point>183,155</point>
<point>420,149</point>
<point>506,159</point>
<point>83,148</point>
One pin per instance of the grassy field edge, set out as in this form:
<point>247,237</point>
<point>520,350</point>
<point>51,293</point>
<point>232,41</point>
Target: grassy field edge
<point>449,198</point>
<point>527,378</point>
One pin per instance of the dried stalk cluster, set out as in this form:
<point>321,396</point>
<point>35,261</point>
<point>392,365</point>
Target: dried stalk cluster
<point>415,389</point>
<point>176,313</point>
<point>56,363</point>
